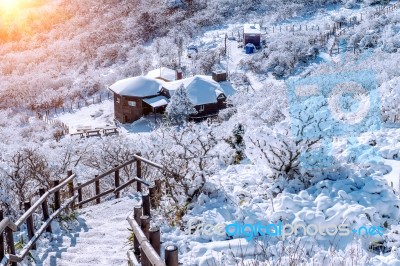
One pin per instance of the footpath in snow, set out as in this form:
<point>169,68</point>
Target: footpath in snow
<point>99,237</point>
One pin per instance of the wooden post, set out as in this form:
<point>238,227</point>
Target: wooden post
<point>97,187</point>
<point>146,204</point>
<point>171,255</point>
<point>153,196</point>
<point>71,188</point>
<point>137,214</point>
<point>145,225</point>
<point>80,198</point>
<point>157,183</point>
<point>45,210</point>
<point>139,174</point>
<point>57,199</point>
<point>10,244</point>
<point>29,223</point>
<point>1,238</point>
<point>116,182</point>
<point>155,239</point>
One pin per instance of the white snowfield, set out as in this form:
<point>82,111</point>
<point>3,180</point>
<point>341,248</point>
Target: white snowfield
<point>99,238</point>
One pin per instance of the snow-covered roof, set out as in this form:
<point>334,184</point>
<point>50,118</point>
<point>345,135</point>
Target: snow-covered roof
<point>227,88</point>
<point>137,86</point>
<point>200,89</point>
<point>164,73</point>
<point>251,29</point>
<point>157,101</point>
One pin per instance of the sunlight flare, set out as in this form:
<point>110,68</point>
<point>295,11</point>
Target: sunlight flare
<point>9,5</point>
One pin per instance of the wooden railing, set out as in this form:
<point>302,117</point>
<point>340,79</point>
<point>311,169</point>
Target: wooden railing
<point>147,241</point>
<point>149,251</point>
<point>8,227</point>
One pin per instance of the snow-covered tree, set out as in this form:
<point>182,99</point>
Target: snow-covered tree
<point>237,143</point>
<point>180,107</point>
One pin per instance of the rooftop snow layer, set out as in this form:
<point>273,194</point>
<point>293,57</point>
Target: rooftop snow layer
<point>137,86</point>
<point>163,73</point>
<point>251,29</point>
<point>157,101</point>
<point>200,89</point>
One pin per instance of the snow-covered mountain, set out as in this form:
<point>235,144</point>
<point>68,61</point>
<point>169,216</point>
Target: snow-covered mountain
<point>310,137</point>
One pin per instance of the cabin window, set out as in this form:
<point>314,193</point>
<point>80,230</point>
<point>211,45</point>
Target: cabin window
<point>201,109</point>
<point>132,103</point>
<point>118,100</point>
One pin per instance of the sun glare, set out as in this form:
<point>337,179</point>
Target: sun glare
<point>9,5</point>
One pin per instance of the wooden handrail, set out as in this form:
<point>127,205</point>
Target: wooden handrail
<point>62,184</point>
<point>7,223</point>
<point>129,182</point>
<point>156,165</point>
<point>113,190</point>
<point>104,174</point>
<point>14,226</point>
<point>145,245</point>
<point>39,202</point>
<point>20,257</point>
<point>95,197</point>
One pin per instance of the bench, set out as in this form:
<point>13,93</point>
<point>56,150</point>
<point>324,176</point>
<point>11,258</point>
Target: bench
<point>81,134</point>
<point>110,131</point>
<point>93,133</point>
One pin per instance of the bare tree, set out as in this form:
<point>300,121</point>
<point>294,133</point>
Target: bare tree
<point>30,170</point>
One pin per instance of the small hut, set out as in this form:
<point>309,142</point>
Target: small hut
<point>252,34</point>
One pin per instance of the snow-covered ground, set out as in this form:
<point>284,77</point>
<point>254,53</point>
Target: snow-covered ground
<point>241,194</point>
<point>95,115</point>
<point>102,115</point>
<point>393,177</point>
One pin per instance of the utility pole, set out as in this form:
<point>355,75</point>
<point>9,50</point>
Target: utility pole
<point>226,37</point>
<point>180,51</point>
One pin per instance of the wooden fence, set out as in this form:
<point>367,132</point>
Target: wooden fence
<point>147,242</point>
<point>349,22</point>
<point>78,103</point>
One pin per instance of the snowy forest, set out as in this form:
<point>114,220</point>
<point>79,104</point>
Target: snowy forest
<point>245,165</point>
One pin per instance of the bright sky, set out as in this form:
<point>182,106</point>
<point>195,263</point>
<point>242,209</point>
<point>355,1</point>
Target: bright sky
<point>13,10</point>
<point>9,6</point>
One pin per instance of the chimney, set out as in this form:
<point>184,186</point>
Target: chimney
<point>179,74</point>
<point>219,75</point>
